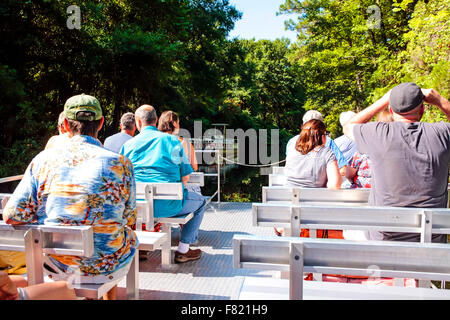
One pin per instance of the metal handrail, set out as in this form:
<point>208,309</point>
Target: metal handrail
<point>10,179</point>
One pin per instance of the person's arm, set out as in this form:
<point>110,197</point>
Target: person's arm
<point>128,179</point>
<point>366,114</point>
<point>57,290</point>
<point>333,175</point>
<point>8,290</point>
<point>22,206</point>
<point>185,179</point>
<point>350,173</point>
<point>193,158</point>
<point>185,166</point>
<point>341,161</point>
<point>434,98</point>
<point>353,168</point>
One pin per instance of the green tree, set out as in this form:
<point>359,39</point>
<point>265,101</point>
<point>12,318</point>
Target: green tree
<point>341,58</point>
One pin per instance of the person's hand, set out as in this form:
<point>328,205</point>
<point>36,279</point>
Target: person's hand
<point>385,98</point>
<point>431,96</point>
<point>8,290</point>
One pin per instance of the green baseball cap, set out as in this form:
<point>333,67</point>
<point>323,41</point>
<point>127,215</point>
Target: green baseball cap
<point>82,102</point>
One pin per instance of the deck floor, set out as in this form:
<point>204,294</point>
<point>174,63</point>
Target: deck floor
<point>213,276</point>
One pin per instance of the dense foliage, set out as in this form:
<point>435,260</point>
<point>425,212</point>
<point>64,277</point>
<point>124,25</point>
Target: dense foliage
<point>176,54</point>
<point>349,53</point>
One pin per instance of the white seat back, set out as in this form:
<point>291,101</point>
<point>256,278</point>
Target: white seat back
<point>146,193</point>
<point>277,180</point>
<point>197,178</point>
<point>389,219</point>
<point>278,170</point>
<point>316,196</point>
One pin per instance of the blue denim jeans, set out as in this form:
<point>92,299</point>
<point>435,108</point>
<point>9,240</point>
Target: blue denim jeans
<point>194,202</point>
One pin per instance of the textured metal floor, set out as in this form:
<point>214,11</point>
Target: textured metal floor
<point>213,276</point>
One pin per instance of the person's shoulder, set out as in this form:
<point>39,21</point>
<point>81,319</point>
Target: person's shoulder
<point>113,157</point>
<point>326,150</point>
<point>440,130</point>
<point>44,154</point>
<point>437,125</point>
<point>52,139</point>
<point>113,136</point>
<point>374,124</point>
<point>133,140</point>
<point>291,142</point>
<point>170,138</point>
<point>375,128</point>
<point>340,139</point>
<point>331,143</point>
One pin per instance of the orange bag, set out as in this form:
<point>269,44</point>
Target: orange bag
<point>337,234</point>
<point>331,234</point>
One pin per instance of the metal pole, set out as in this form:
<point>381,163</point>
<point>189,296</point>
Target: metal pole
<point>33,256</point>
<point>218,177</point>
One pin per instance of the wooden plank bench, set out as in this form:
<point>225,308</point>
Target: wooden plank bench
<point>146,193</point>
<point>428,261</point>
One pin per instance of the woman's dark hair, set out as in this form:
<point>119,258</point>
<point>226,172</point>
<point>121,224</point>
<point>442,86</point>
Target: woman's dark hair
<point>84,127</point>
<point>310,136</point>
<point>167,120</point>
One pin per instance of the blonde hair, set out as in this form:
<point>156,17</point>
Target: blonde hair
<point>385,116</point>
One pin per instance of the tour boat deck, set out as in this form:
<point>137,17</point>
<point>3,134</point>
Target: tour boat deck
<point>213,276</point>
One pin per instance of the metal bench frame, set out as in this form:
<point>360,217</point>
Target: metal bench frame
<point>35,240</point>
<point>428,261</point>
<point>278,170</point>
<point>147,193</point>
<point>296,195</point>
<point>277,180</point>
<point>390,219</point>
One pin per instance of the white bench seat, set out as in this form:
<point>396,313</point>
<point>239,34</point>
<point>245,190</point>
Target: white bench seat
<point>150,241</point>
<point>93,291</point>
<point>182,219</point>
<point>257,288</point>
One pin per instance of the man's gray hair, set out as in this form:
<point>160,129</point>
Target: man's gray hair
<point>127,121</point>
<point>61,119</point>
<point>147,114</point>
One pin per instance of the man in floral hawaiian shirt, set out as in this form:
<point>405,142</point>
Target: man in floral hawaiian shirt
<point>81,183</point>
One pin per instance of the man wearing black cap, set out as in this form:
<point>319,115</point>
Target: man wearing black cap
<point>410,159</point>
